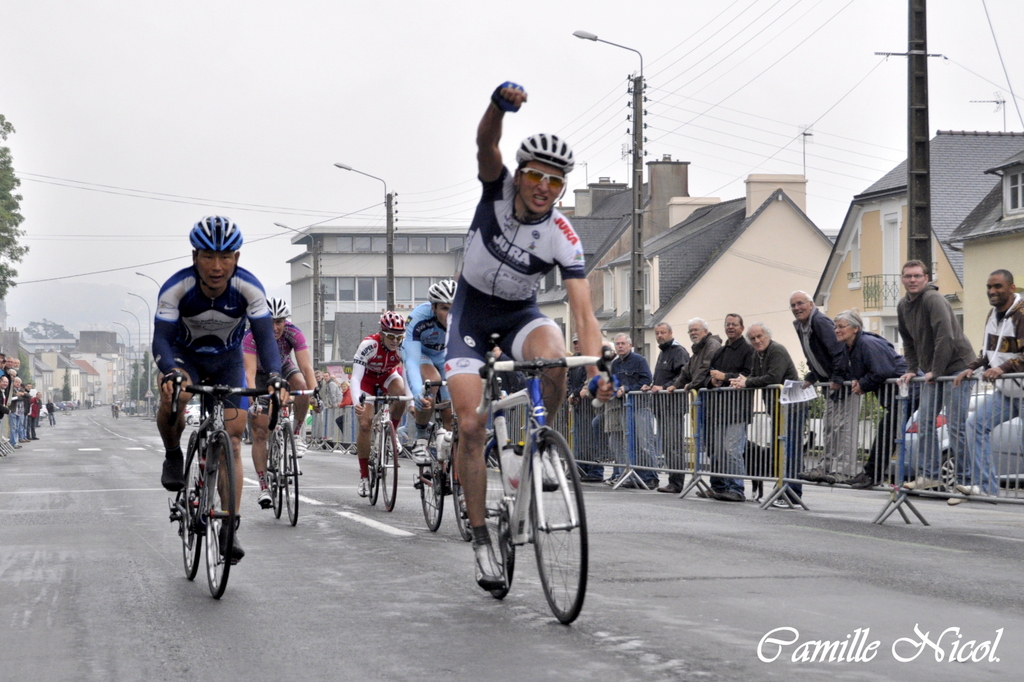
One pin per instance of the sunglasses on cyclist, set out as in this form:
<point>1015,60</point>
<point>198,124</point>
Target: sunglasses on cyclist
<point>555,182</point>
<point>392,337</point>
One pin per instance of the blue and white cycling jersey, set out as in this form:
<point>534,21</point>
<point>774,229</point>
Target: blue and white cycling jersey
<point>506,259</point>
<point>188,319</point>
<point>424,342</point>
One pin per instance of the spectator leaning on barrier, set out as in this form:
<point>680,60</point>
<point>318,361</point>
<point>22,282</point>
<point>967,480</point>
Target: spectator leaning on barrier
<point>826,362</point>
<point>772,366</point>
<point>934,343</point>
<point>728,412</point>
<point>672,359</point>
<point>633,372</point>
<point>1002,352</point>
<point>691,376</point>
<point>872,361</point>
<point>582,441</point>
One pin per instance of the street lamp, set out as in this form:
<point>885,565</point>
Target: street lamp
<point>389,205</point>
<point>139,337</point>
<point>636,305</point>
<point>149,332</point>
<point>141,274</point>
<point>318,299</point>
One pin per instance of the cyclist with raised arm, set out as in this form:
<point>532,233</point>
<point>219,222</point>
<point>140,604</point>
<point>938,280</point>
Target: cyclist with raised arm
<point>516,237</point>
<point>378,364</point>
<point>423,352</point>
<point>197,337</point>
<point>299,375</point>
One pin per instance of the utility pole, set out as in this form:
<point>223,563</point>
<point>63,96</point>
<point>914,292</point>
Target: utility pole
<point>636,301</point>
<point>919,210</point>
<point>389,203</point>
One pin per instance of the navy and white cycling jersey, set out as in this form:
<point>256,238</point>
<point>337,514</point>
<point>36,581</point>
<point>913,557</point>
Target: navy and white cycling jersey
<point>505,258</point>
<point>424,343</point>
<point>189,320</point>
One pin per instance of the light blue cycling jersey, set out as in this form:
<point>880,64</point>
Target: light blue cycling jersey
<point>425,341</point>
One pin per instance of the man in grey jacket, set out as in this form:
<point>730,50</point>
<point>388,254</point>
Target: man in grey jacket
<point>934,343</point>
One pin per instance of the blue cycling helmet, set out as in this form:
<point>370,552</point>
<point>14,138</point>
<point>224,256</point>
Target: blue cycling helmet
<point>216,233</point>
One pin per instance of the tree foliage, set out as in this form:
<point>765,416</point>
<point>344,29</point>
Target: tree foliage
<point>65,390</point>
<point>10,218</point>
<point>47,329</point>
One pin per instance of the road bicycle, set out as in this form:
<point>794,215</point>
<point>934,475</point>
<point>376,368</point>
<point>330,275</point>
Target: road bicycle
<point>205,507</point>
<point>534,492</point>
<point>384,449</point>
<point>283,464</point>
<point>439,478</point>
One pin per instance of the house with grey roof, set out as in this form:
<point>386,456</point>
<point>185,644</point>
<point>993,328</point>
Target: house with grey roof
<point>990,238</point>
<point>703,257</point>
<point>863,269</point>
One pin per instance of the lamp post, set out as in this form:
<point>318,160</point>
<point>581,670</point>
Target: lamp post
<point>636,298</point>
<point>149,332</point>
<point>318,299</point>
<point>389,205</point>
<point>129,331</point>
<point>139,337</point>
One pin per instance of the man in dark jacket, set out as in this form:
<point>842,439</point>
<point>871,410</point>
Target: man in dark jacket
<point>728,412</point>
<point>669,411</point>
<point>584,445</point>
<point>773,366</point>
<point>934,343</point>
<point>827,363</point>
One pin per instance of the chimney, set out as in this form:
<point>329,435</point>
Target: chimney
<point>590,198</point>
<point>681,208</point>
<point>667,179</point>
<point>760,187</point>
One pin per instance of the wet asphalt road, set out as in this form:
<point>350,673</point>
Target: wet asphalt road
<point>92,585</point>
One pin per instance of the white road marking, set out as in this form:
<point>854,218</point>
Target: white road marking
<point>302,498</point>
<point>391,530</point>
<point>89,450</point>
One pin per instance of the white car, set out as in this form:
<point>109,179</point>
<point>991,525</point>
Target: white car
<point>192,413</point>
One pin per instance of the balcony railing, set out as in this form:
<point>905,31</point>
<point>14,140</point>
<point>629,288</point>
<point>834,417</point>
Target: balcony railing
<point>880,291</point>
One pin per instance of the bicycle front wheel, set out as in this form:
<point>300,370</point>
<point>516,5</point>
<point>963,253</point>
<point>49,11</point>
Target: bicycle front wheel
<point>458,495</point>
<point>432,494</point>
<point>389,466</point>
<point>220,511</point>
<point>376,448</point>
<point>275,473</point>
<point>559,526</point>
<point>188,506</point>
<point>289,476</point>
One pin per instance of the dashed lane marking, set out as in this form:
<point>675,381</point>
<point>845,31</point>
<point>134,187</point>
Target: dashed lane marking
<point>376,525</point>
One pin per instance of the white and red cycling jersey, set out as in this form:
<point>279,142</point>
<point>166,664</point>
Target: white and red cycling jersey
<point>374,366</point>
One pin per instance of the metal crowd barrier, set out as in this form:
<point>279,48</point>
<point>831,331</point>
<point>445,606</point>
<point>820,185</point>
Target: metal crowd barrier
<point>974,452</point>
<point>327,434</point>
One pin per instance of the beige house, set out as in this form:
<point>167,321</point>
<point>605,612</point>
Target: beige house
<point>992,238</point>
<point>863,270</point>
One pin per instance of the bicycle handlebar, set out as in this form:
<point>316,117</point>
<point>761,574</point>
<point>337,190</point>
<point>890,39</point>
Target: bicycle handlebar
<point>220,391</point>
<point>534,366</point>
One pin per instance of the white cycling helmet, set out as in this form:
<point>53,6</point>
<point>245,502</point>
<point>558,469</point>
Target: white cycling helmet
<point>546,148</point>
<point>278,308</point>
<point>442,292</point>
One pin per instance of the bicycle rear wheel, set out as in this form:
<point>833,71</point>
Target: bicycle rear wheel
<point>376,448</point>
<point>389,466</point>
<point>432,494</point>
<point>188,506</point>
<point>559,526</point>
<point>219,511</point>
<point>275,472</point>
<point>289,476</point>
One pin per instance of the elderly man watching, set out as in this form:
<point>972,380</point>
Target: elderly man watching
<point>773,366</point>
<point>827,363</point>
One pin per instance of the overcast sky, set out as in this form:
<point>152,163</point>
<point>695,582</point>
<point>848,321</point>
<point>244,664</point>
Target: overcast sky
<point>134,119</point>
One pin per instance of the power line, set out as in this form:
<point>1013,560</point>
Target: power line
<point>1006,73</point>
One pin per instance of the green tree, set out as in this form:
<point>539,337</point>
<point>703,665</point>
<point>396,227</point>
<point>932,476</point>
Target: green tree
<point>25,371</point>
<point>10,250</point>
<point>137,387</point>
<point>65,390</point>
